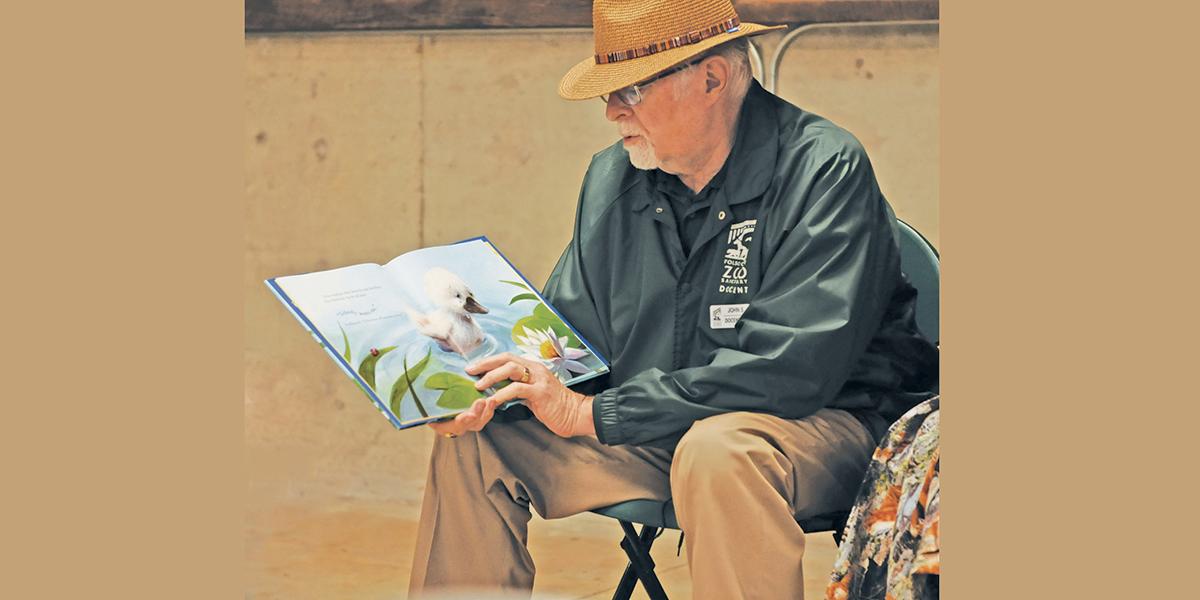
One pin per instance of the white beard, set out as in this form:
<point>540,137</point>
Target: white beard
<point>642,156</point>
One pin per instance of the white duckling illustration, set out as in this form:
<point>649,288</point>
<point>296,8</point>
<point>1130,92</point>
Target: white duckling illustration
<point>450,324</point>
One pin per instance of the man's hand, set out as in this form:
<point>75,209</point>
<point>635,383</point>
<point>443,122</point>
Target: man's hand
<point>472,419</point>
<point>562,411</point>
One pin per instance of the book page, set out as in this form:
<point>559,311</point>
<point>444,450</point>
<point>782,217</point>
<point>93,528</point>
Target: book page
<point>357,312</point>
<point>465,302</point>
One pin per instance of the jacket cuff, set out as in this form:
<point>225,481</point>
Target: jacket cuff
<point>604,415</point>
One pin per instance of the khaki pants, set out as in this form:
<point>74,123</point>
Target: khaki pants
<point>739,481</point>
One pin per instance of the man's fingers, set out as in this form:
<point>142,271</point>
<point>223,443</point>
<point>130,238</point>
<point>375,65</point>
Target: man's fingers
<point>450,427</point>
<point>468,417</point>
<point>472,419</point>
<point>496,368</point>
<point>475,417</point>
<point>477,409</point>
<point>489,363</point>
<point>508,371</point>
<point>489,410</point>
<point>510,392</point>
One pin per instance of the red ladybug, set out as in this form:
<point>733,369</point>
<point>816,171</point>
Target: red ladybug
<point>374,352</point>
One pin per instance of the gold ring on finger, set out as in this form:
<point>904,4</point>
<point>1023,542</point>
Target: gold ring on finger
<point>525,375</point>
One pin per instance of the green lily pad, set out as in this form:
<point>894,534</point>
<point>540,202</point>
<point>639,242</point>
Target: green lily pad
<point>367,367</point>
<point>543,318</point>
<point>401,387</point>
<point>457,392</point>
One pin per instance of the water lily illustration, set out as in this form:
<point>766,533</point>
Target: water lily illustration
<point>552,350</point>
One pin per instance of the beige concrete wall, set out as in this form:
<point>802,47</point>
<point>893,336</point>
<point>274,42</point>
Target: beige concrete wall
<point>880,83</point>
<point>362,146</point>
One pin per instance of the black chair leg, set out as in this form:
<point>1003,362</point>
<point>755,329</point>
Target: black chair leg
<point>641,566</point>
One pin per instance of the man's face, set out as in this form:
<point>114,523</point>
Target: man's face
<point>656,132</point>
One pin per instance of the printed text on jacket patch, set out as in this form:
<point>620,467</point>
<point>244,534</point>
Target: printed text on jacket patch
<point>734,276</point>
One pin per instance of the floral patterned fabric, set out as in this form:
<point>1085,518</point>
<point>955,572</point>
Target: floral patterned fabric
<point>890,550</point>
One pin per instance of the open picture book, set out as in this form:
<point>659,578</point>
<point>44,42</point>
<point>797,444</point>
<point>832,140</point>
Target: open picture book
<point>405,331</point>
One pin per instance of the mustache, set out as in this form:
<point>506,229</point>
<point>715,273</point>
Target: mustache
<point>630,131</point>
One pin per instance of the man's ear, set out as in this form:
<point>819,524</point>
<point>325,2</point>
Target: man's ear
<point>711,82</point>
<point>716,76</point>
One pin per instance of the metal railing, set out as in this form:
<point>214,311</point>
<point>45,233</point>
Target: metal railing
<point>771,78</point>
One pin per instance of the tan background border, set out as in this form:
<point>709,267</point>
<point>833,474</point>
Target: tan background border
<point>1066,132</point>
<point>1068,135</point>
<point>121,428</point>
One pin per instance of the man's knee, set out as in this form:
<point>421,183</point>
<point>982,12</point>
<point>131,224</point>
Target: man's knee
<point>723,453</point>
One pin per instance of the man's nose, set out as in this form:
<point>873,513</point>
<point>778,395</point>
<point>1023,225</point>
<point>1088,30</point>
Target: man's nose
<point>615,108</point>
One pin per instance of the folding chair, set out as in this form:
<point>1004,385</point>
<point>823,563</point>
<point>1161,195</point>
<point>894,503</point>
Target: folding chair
<point>919,261</point>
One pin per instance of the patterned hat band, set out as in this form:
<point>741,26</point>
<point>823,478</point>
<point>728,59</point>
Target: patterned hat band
<point>692,37</point>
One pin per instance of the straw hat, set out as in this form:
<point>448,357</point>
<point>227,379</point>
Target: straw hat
<point>637,38</point>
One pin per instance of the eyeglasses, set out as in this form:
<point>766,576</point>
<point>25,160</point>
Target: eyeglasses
<point>633,96</point>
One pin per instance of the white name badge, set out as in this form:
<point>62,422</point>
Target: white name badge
<point>725,316</point>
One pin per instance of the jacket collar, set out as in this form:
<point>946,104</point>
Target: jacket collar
<point>751,162</point>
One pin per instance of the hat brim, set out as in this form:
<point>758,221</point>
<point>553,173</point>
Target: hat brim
<point>588,80</point>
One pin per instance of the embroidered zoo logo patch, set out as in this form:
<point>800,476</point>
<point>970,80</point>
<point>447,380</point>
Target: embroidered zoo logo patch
<point>735,276</point>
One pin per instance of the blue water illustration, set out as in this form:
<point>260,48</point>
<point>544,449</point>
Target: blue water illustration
<point>380,320</point>
<point>498,338</point>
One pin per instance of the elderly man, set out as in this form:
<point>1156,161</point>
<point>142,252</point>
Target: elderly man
<point>735,260</point>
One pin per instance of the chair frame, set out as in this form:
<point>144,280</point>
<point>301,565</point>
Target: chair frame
<point>636,544</point>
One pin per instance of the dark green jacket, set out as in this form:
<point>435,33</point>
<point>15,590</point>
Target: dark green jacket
<point>799,233</point>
